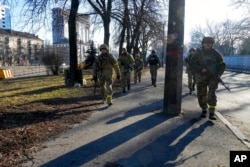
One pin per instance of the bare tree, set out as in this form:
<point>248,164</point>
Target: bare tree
<point>138,19</point>
<point>103,9</point>
<point>37,13</point>
<point>228,35</point>
<point>244,48</point>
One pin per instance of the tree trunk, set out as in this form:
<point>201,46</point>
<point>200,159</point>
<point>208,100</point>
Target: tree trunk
<point>73,42</point>
<point>125,25</point>
<point>106,31</point>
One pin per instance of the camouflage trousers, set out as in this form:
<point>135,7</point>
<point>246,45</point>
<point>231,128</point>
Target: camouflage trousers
<point>153,72</point>
<point>206,87</point>
<point>106,89</point>
<point>125,79</point>
<point>137,76</point>
<point>191,80</point>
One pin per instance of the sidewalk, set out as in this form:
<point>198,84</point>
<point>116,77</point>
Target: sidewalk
<point>135,132</point>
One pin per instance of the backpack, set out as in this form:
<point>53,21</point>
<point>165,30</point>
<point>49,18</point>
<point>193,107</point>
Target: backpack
<point>153,60</point>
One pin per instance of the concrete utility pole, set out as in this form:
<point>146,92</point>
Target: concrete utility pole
<point>174,58</point>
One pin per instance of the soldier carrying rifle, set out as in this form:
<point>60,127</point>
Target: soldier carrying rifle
<point>208,66</point>
<point>103,71</point>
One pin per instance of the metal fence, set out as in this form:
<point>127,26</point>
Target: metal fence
<point>239,63</point>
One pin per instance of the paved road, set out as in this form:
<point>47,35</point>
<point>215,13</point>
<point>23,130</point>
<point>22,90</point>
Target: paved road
<point>134,132</point>
<point>234,105</point>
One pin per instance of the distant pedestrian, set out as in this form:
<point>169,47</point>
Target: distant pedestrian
<point>138,68</point>
<point>103,71</point>
<point>154,64</point>
<point>208,66</point>
<point>126,64</point>
<point>191,76</point>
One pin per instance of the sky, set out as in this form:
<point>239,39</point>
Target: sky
<point>197,13</point>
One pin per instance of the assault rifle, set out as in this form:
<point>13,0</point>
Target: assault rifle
<point>95,85</point>
<point>223,83</point>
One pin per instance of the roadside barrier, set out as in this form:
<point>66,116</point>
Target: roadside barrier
<point>6,73</point>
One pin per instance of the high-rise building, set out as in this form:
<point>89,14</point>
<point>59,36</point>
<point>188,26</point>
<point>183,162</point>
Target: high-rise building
<point>5,18</point>
<point>60,33</point>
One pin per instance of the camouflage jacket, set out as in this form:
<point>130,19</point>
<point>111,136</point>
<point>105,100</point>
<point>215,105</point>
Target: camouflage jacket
<point>104,65</point>
<point>126,62</point>
<point>138,64</point>
<point>207,59</point>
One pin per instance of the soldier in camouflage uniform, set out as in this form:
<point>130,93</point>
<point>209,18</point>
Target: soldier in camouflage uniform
<point>126,64</point>
<point>154,64</point>
<point>138,68</point>
<point>208,66</point>
<point>103,71</point>
<point>191,77</point>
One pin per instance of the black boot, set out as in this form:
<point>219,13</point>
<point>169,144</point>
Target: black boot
<point>124,90</point>
<point>211,113</point>
<point>190,91</point>
<point>128,87</point>
<point>212,116</point>
<point>193,87</point>
<point>204,113</point>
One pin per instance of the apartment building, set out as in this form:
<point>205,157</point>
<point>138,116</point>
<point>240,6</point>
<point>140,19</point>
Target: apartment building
<point>60,33</point>
<point>20,48</point>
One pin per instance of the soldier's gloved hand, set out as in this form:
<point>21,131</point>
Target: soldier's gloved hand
<point>95,78</point>
<point>118,77</point>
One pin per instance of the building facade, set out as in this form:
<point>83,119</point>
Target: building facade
<point>20,48</point>
<point>5,18</point>
<point>60,33</point>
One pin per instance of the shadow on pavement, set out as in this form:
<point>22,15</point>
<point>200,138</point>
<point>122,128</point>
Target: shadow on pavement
<point>165,150</point>
<point>157,105</point>
<point>160,152</point>
<point>100,146</point>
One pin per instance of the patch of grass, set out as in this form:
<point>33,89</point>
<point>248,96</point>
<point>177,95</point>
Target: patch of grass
<point>36,108</point>
<point>20,91</point>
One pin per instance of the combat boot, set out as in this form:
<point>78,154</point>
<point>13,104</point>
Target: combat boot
<point>193,87</point>
<point>204,113</point>
<point>109,101</point>
<point>124,90</point>
<point>190,91</point>
<point>211,113</point>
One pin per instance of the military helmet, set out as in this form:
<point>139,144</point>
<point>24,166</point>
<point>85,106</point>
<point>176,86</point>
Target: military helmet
<point>192,50</point>
<point>208,40</point>
<point>124,50</point>
<point>153,51</point>
<point>104,46</point>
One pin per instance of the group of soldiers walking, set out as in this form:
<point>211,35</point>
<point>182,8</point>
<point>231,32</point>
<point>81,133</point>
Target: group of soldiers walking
<point>123,67</point>
<point>204,68</point>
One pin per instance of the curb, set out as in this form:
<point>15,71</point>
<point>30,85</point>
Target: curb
<point>235,131</point>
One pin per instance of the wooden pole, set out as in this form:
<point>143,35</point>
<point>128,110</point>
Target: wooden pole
<point>174,58</point>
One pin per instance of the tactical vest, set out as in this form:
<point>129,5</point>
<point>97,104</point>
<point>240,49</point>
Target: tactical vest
<point>153,60</point>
